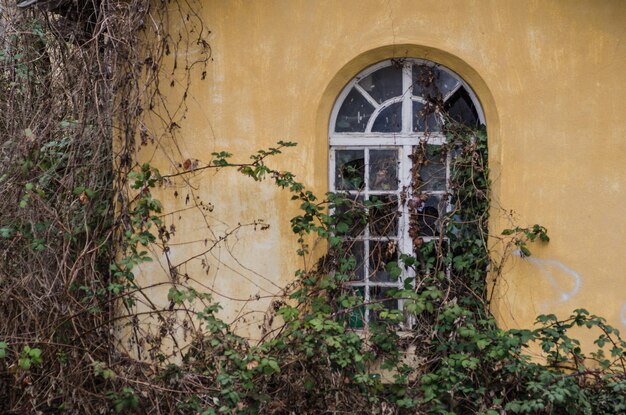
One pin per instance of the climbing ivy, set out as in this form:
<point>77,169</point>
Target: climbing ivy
<point>452,359</point>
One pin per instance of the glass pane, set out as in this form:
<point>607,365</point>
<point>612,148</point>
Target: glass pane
<point>425,118</point>
<point>356,316</point>
<point>433,171</point>
<point>382,253</point>
<point>355,251</point>
<point>424,81</point>
<point>432,83</point>
<point>354,113</point>
<point>350,216</point>
<point>384,215</point>
<point>383,170</point>
<point>381,298</point>
<point>445,82</point>
<point>461,108</point>
<point>431,256</point>
<point>429,214</point>
<point>349,169</point>
<point>384,84</point>
<point>389,120</point>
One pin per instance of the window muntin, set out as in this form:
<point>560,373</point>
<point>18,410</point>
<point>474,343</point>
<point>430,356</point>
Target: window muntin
<point>382,118</point>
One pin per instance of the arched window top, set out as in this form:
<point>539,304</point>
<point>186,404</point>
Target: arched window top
<point>406,97</point>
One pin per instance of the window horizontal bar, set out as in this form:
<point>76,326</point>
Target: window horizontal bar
<point>369,141</point>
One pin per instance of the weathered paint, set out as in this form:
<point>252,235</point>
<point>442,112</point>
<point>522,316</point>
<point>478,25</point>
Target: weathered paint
<point>550,78</point>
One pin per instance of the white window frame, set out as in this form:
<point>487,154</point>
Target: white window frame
<point>403,141</point>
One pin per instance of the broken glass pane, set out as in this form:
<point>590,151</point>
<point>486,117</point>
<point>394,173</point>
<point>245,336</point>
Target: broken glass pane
<point>389,120</point>
<point>425,118</point>
<point>349,169</point>
<point>429,215</point>
<point>384,84</point>
<point>383,170</point>
<point>461,108</point>
<point>382,253</point>
<point>433,171</point>
<point>384,215</point>
<point>354,113</point>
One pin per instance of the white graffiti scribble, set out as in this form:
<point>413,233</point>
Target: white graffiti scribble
<point>547,266</point>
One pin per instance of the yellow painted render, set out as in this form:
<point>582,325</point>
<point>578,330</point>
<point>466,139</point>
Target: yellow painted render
<point>550,76</point>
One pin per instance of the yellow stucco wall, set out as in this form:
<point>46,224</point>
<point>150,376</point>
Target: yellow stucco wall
<point>550,78</point>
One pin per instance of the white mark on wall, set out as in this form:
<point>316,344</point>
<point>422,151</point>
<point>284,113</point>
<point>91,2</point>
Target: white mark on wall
<point>623,314</point>
<point>552,269</point>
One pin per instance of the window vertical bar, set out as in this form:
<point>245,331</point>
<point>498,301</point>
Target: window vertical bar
<point>407,102</point>
<point>331,169</point>
<point>366,236</point>
<point>448,198</point>
<point>406,245</point>
<point>448,190</point>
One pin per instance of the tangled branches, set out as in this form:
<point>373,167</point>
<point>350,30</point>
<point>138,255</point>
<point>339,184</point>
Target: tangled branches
<point>75,78</point>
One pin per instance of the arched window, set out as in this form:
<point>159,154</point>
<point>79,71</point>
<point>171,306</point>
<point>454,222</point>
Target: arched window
<point>379,121</point>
